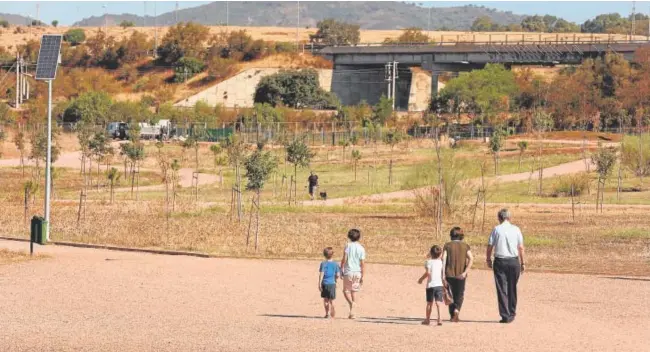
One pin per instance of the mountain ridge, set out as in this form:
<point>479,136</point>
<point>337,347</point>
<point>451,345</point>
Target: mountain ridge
<point>369,15</point>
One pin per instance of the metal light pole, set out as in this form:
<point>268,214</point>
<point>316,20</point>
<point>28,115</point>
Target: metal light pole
<point>48,162</point>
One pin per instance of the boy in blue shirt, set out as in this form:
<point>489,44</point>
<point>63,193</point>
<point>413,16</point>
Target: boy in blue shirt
<point>329,273</point>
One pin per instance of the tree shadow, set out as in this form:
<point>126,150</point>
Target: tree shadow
<point>627,278</point>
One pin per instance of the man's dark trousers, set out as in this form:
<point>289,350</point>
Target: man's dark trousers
<point>506,275</point>
<point>457,287</point>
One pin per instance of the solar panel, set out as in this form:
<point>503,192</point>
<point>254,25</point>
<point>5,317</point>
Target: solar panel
<point>48,57</point>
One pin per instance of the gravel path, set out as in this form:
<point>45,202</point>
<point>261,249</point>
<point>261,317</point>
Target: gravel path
<point>72,160</point>
<point>98,300</point>
<point>558,170</point>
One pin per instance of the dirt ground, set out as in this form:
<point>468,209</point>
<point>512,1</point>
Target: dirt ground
<point>97,300</point>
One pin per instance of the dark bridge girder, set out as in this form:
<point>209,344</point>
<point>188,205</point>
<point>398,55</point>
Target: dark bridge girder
<point>522,54</point>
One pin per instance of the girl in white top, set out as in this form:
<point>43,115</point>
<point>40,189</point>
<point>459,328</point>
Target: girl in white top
<point>433,272</point>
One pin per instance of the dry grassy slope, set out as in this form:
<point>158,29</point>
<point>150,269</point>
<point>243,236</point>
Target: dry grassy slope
<point>8,38</point>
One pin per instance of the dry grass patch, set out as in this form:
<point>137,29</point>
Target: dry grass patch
<point>12,257</point>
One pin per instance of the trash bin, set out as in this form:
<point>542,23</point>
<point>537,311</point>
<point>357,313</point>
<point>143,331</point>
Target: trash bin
<point>39,230</point>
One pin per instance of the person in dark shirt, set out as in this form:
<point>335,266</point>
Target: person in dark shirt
<point>458,259</point>
<point>313,184</point>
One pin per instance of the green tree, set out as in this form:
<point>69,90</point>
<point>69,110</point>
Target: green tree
<point>236,152</point>
<point>535,23</point>
<point>93,108</point>
<point>299,155</point>
<point>332,32</point>
<point>522,145</point>
<point>606,23</point>
<point>604,159</point>
<point>392,138</point>
<point>19,142</point>
<point>75,36</point>
<point>496,143</point>
<point>113,176</point>
<point>134,153</point>
<point>186,68</point>
<point>409,35</point>
<point>485,92</point>
<point>183,39</point>
<point>382,111</point>
<point>356,156</point>
<point>564,26</point>
<point>294,88</point>
<point>259,166</point>
<point>55,23</point>
<point>127,24</point>
<point>484,24</point>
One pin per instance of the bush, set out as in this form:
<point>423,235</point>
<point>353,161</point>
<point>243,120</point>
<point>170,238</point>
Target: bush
<point>294,88</point>
<point>285,47</point>
<point>186,68</point>
<point>579,182</point>
<point>126,24</point>
<point>635,154</point>
<point>4,23</point>
<point>75,36</point>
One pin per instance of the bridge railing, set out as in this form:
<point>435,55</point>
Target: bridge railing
<point>506,39</point>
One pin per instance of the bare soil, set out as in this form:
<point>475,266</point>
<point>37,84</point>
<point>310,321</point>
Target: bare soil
<point>98,300</point>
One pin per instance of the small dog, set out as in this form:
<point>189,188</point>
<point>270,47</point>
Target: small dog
<point>323,195</point>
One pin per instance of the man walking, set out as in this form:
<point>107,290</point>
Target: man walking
<point>507,242</point>
<point>313,184</point>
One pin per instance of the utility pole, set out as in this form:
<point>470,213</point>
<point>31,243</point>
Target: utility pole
<point>227,15</point>
<point>633,20</point>
<point>176,14</point>
<point>429,23</point>
<point>105,20</point>
<point>394,82</point>
<point>298,28</point>
<point>155,31</point>
<point>388,78</point>
<point>144,17</point>
<point>17,80</point>
<point>38,13</point>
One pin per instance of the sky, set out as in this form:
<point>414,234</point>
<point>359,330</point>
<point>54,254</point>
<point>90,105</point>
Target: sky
<point>68,12</point>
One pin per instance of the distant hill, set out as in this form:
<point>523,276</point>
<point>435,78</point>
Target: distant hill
<point>16,20</point>
<point>369,15</point>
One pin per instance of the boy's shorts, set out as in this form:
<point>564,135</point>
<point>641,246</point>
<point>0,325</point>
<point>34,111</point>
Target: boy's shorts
<point>434,293</point>
<point>352,282</point>
<point>328,291</point>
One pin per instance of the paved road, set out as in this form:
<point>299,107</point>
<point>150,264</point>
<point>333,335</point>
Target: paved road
<point>97,300</point>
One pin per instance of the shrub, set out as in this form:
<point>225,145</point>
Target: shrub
<point>126,24</point>
<point>186,68</point>
<point>75,36</point>
<point>635,154</point>
<point>4,23</point>
<point>285,47</point>
<point>579,182</point>
<point>294,88</point>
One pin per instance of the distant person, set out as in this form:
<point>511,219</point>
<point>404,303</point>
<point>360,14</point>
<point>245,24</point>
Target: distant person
<point>313,184</point>
<point>433,273</point>
<point>328,274</point>
<point>352,266</point>
<point>507,243</point>
<point>457,259</point>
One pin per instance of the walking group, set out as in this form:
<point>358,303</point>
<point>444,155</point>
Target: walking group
<point>446,271</point>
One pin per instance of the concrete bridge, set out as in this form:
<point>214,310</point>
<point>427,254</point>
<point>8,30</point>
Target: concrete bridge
<point>360,73</point>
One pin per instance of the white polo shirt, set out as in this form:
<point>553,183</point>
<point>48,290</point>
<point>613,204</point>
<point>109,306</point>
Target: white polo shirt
<point>506,238</point>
